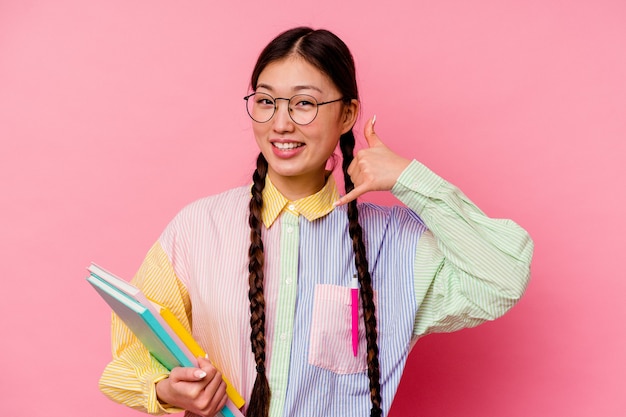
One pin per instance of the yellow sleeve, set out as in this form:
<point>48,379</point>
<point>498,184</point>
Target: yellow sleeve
<point>130,378</point>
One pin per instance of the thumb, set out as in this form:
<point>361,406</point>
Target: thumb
<point>187,374</point>
<point>371,136</point>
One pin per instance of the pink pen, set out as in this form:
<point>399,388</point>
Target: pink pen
<point>354,292</point>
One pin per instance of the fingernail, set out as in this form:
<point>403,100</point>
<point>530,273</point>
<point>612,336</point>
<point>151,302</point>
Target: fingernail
<point>373,120</point>
<point>199,374</point>
<point>206,355</point>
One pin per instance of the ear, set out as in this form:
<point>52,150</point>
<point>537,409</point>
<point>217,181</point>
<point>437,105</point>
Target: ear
<point>350,113</point>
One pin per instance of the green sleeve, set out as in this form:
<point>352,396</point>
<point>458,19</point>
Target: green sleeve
<point>468,267</point>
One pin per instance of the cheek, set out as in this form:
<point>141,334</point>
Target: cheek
<point>322,136</point>
<point>337,124</point>
<point>330,143</point>
<point>258,130</point>
<point>330,128</point>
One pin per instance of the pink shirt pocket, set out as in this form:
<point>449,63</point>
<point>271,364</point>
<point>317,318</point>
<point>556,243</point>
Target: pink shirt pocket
<point>331,331</point>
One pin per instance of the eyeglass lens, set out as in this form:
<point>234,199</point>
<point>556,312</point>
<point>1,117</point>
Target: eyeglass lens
<point>302,107</point>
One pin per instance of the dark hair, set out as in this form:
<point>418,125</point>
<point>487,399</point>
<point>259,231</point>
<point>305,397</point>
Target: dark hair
<point>331,56</point>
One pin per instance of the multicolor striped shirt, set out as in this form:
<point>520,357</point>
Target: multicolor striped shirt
<point>437,265</point>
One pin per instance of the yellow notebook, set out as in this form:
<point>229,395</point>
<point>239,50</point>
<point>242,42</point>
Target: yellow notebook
<point>197,350</point>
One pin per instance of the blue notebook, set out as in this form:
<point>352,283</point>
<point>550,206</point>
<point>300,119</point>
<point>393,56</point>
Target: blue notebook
<point>137,295</point>
<point>143,324</point>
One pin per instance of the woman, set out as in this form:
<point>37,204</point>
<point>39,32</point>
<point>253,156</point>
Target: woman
<point>437,265</point>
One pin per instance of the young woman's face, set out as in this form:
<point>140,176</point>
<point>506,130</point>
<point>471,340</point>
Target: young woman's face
<point>297,154</point>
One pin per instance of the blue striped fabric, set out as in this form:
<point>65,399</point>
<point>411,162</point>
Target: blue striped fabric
<point>326,262</point>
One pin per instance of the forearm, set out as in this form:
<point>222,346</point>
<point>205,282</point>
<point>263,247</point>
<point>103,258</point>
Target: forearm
<point>131,376</point>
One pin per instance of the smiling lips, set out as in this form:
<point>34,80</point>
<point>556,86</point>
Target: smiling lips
<point>288,149</point>
<point>287,145</point>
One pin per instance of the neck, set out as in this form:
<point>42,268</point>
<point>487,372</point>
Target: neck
<point>297,187</point>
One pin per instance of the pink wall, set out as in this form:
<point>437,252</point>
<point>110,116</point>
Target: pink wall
<point>115,114</point>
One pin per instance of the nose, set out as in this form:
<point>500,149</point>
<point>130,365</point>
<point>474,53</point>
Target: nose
<point>281,122</point>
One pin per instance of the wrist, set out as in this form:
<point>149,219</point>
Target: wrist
<point>162,389</point>
<point>399,167</point>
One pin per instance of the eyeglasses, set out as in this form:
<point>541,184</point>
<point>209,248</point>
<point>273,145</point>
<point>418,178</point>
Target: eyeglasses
<point>303,108</point>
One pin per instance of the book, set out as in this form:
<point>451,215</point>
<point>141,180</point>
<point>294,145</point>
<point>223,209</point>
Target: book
<point>136,294</point>
<point>142,322</point>
<point>146,319</point>
<point>182,332</point>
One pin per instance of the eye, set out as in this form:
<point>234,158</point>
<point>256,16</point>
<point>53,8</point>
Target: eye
<point>263,100</point>
<point>303,102</point>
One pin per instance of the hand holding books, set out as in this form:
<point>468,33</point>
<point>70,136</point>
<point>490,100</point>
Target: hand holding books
<point>201,391</point>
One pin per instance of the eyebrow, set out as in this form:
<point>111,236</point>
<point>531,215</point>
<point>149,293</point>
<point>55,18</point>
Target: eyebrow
<point>296,88</point>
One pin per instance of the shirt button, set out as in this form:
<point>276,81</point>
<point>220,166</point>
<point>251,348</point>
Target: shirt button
<point>283,336</point>
<point>292,207</point>
<point>288,281</point>
<point>289,229</point>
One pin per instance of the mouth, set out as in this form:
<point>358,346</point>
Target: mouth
<point>286,146</point>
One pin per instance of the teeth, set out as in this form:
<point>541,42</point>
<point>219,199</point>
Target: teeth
<point>289,145</point>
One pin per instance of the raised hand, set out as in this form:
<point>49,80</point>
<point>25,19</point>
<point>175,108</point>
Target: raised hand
<point>375,168</point>
<point>199,390</point>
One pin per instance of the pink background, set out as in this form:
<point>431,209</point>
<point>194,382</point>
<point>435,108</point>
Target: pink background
<point>115,114</point>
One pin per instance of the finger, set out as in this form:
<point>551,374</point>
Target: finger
<point>216,386</point>
<point>370,135</point>
<point>216,393</point>
<point>204,362</point>
<point>224,400</point>
<point>352,195</point>
<point>187,374</point>
<point>353,168</point>
<point>212,373</point>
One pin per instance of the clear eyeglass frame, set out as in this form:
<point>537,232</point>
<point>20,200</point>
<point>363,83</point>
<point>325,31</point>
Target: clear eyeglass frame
<point>302,108</point>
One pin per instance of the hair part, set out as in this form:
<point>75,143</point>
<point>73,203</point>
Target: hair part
<point>320,48</point>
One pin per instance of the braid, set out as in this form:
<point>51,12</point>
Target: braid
<point>365,280</point>
<point>259,403</point>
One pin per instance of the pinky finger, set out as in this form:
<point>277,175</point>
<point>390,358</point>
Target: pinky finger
<point>222,403</point>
